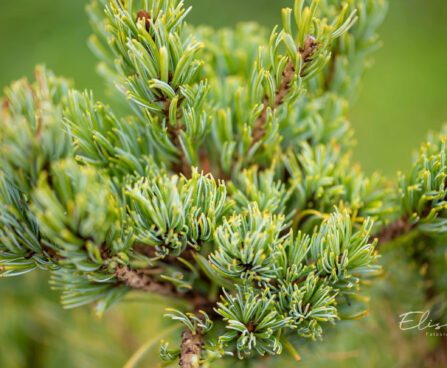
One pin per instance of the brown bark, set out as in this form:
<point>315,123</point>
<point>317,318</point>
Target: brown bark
<point>205,163</point>
<point>141,281</point>
<point>192,342</point>
<point>146,281</point>
<point>306,51</point>
<point>174,132</point>
<point>52,253</point>
<point>191,349</point>
<point>393,231</point>
<point>284,88</point>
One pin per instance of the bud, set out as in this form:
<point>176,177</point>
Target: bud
<point>143,14</point>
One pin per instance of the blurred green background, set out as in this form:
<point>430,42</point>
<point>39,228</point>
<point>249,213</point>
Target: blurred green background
<point>402,97</point>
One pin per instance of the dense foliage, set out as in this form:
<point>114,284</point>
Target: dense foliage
<point>228,183</point>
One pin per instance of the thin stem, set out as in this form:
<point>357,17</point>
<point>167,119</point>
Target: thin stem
<point>291,349</point>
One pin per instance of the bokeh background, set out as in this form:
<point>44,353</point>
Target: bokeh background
<point>402,97</point>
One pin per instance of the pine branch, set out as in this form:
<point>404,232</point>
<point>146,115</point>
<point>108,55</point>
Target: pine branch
<point>262,258</point>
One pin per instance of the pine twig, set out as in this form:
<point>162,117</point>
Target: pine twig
<point>259,126</point>
<point>140,281</point>
<point>393,231</point>
<point>174,128</point>
<point>191,348</point>
<point>183,165</point>
<point>306,52</point>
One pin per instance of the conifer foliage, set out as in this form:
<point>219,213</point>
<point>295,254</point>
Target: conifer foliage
<point>227,183</point>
